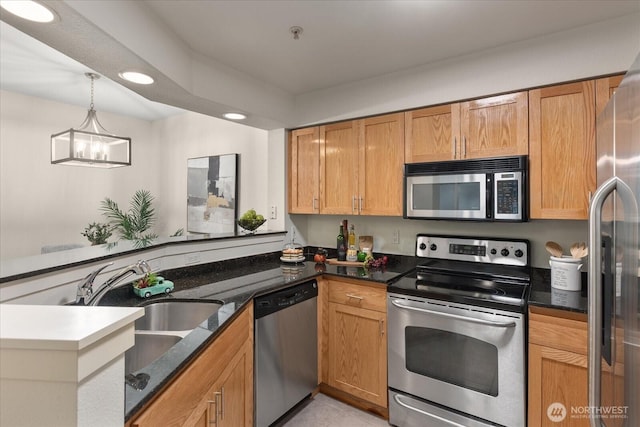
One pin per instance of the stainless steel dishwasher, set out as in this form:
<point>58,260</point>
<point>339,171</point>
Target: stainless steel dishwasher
<point>286,350</point>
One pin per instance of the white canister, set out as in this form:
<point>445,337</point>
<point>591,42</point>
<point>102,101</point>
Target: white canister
<point>565,273</point>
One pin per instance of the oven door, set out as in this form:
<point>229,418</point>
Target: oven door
<point>455,196</point>
<point>470,359</point>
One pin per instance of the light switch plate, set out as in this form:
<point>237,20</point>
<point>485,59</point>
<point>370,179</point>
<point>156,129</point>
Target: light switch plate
<point>274,212</point>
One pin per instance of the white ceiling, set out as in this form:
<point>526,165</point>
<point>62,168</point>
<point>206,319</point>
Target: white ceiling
<point>216,56</point>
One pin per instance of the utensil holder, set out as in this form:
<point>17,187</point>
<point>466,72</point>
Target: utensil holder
<point>565,273</point>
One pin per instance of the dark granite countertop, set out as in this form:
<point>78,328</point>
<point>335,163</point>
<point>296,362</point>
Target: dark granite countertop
<point>234,282</point>
<point>543,295</point>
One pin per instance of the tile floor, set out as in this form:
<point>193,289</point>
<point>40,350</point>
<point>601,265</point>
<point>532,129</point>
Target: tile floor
<point>323,411</point>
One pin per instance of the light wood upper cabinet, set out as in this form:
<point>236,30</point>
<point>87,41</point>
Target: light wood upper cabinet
<point>490,127</point>
<point>432,134</point>
<point>562,150</point>
<point>380,179</point>
<point>339,166</point>
<point>495,126</point>
<point>360,167</point>
<point>303,171</point>
<point>604,91</point>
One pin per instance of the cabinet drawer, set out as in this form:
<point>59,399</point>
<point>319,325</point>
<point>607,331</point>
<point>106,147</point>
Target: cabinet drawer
<point>362,296</point>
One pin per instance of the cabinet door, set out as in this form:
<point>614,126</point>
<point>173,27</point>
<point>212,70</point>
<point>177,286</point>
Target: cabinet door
<point>357,352</point>
<point>190,399</point>
<point>339,168</point>
<point>381,164</point>
<point>304,164</point>
<point>604,91</point>
<point>496,126</point>
<point>556,376</point>
<point>432,134</point>
<point>562,150</point>
<point>235,398</point>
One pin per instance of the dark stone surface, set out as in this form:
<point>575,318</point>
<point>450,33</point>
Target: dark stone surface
<point>543,295</point>
<point>235,282</point>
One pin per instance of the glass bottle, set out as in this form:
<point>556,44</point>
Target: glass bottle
<point>341,245</point>
<point>352,252</point>
<point>352,236</point>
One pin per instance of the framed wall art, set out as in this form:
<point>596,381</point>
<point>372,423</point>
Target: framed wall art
<point>212,194</point>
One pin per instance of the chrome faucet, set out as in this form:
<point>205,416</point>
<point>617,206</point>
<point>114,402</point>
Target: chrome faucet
<point>86,295</point>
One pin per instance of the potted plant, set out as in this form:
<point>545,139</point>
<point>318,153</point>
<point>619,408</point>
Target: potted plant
<point>97,233</point>
<point>133,224</point>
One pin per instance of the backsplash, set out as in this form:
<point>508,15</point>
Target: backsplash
<point>321,230</point>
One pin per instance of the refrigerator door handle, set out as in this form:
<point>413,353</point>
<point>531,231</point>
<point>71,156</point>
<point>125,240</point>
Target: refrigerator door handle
<point>594,295</point>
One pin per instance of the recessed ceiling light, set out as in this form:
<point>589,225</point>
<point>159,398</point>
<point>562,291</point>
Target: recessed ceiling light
<point>30,10</point>
<point>136,77</point>
<point>234,116</point>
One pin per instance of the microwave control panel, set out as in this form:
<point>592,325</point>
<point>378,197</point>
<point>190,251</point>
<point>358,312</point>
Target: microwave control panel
<point>508,195</point>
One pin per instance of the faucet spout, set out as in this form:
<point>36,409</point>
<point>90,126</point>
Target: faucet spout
<point>88,296</point>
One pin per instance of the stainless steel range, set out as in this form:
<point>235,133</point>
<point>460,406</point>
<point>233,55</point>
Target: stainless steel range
<point>456,349</point>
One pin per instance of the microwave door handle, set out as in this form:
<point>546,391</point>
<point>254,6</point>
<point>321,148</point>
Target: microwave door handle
<point>399,304</point>
<point>595,293</point>
<point>420,411</point>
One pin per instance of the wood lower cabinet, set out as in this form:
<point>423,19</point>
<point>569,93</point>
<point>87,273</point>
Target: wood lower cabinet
<point>353,343</point>
<point>215,389</point>
<point>557,366</point>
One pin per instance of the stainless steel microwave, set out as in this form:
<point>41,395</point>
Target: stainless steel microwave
<point>476,190</point>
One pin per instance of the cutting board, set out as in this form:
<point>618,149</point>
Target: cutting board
<point>334,261</point>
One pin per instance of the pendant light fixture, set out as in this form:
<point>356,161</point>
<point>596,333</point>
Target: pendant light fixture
<point>91,144</point>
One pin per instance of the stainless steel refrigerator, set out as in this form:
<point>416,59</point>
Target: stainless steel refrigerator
<point>614,282</point>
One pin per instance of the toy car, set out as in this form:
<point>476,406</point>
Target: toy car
<point>159,287</point>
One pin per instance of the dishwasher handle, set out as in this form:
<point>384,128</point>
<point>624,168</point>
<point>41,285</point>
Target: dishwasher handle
<point>273,302</point>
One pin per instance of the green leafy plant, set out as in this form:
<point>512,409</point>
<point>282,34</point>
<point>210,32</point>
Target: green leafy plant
<point>133,224</point>
<point>97,233</point>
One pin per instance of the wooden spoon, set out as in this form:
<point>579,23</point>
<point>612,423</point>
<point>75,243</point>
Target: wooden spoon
<point>579,250</point>
<point>554,249</point>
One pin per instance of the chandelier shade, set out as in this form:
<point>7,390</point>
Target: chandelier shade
<point>90,144</point>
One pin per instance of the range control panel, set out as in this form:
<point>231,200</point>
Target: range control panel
<point>482,250</point>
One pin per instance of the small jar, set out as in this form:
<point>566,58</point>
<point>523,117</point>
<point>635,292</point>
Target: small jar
<point>352,254</point>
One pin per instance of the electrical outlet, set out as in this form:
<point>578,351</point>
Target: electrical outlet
<point>274,212</point>
<point>396,237</point>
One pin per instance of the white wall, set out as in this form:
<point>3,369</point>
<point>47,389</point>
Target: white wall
<point>191,135</point>
<point>44,204</point>
<point>588,51</point>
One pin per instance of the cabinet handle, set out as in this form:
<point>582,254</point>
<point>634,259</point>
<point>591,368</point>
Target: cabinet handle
<point>314,203</point>
<point>215,412</point>
<point>590,195</point>
<point>455,146</point>
<point>222,403</point>
<point>218,394</point>
<point>360,205</point>
<point>464,147</point>
<point>355,297</point>
<point>353,204</point>
<point>381,327</point>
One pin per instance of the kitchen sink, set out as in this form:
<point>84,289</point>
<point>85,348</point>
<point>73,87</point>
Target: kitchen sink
<point>176,315</point>
<point>147,348</point>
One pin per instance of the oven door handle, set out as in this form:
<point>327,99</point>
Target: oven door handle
<point>413,408</point>
<point>512,324</point>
